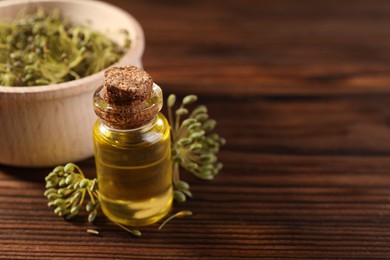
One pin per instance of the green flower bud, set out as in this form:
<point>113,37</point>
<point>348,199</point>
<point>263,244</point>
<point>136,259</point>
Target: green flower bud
<point>92,216</point>
<point>189,99</point>
<point>208,158</point>
<point>182,185</point>
<point>187,193</point>
<point>205,177</point>
<point>181,111</point>
<point>136,233</point>
<point>76,185</point>
<point>89,207</point>
<point>208,141</point>
<point>207,166</point>
<point>177,159</point>
<point>53,196</point>
<point>84,183</point>
<point>58,211</point>
<point>199,109</point>
<point>75,197</point>
<point>195,147</point>
<point>191,166</point>
<point>61,211</point>
<point>194,127</point>
<point>206,172</point>
<point>69,167</point>
<point>219,166</point>
<point>179,196</point>
<point>70,186</point>
<point>50,184</point>
<point>75,209</point>
<point>209,125</point>
<point>171,100</point>
<point>59,170</point>
<point>54,179</point>
<point>201,117</point>
<point>59,202</point>
<point>197,135</point>
<point>63,191</point>
<point>62,183</point>
<point>184,141</point>
<point>69,179</point>
<point>94,185</point>
<point>72,215</point>
<point>49,191</point>
<point>215,137</point>
<point>51,176</point>
<point>188,121</point>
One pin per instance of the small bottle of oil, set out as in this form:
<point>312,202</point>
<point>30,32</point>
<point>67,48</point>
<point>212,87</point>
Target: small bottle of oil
<point>132,148</point>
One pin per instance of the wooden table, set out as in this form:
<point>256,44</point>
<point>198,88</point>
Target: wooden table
<point>301,92</point>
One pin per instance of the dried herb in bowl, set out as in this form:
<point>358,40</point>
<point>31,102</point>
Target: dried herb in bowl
<point>44,48</point>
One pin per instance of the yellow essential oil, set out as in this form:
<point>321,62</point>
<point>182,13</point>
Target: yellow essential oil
<point>133,158</point>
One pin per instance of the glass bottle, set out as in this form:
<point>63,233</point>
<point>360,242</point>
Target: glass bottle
<point>133,158</point>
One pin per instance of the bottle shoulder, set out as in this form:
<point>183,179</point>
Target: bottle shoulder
<point>151,133</point>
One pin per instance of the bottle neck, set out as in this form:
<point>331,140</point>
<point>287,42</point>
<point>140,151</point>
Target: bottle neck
<point>129,116</point>
<point>141,129</point>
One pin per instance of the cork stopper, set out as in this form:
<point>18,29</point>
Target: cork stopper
<point>128,99</point>
<point>127,84</point>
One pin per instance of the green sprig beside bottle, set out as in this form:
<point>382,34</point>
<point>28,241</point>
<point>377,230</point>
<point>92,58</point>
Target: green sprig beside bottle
<point>66,189</point>
<point>194,146</point>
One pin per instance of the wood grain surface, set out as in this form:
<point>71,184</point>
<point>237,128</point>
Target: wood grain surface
<point>301,92</point>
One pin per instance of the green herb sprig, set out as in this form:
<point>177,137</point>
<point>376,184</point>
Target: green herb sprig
<point>66,189</point>
<point>44,48</point>
<point>194,145</point>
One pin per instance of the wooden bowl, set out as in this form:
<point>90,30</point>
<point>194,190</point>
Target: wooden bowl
<point>51,125</point>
